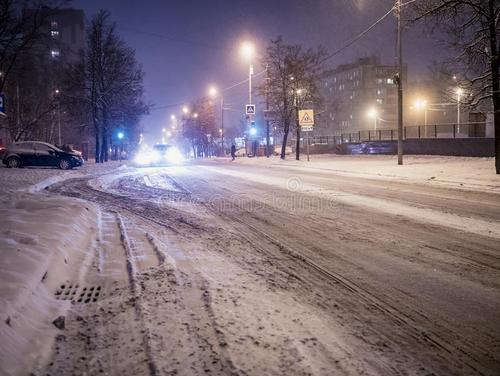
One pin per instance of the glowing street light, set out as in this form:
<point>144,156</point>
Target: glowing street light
<point>212,91</point>
<point>373,114</point>
<point>164,130</point>
<point>120,135</point>
<point>247,50</point>
<point>185,110</point>
<point>421,104</point>
<point>172,117</point>
<point>195,115</point>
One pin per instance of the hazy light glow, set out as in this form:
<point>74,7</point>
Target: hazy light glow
<point>420,104</point>
<point>120,135</point>
<point>372,113</point>
<point>195,115</point>
<point>459,91</point>
<point>174,155</point>
<point>172,117</point>
<point>247,50</point>
<point>253,131</point>
<point>212,91</point>
<point>185,110</point>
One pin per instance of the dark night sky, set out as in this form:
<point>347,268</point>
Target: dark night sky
<point>184,46</point>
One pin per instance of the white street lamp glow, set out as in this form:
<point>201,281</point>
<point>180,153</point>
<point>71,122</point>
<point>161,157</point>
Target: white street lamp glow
<point>185,110</point>
<point>459,91</point>
<point>247,50</point>
<point>172,117</point>
<point>420,104</point>
<point>212,91</point>
<point>195,115</point>
<point>164,130</point>
<point>372,113</point>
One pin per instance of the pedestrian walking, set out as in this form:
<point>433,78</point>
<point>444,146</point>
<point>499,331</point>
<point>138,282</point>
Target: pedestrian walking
<point>233,152</point>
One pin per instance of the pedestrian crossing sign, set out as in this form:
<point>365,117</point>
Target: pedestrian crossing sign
<point>306,118</point>
<point>250,109</point>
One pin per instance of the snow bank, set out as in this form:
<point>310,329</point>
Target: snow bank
<point>36,179</point>
<point>45,242</point>
<point>476,174</point>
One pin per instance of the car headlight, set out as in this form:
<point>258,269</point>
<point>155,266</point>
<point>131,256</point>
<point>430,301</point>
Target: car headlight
<point>174,155</point>
<point>147,157</point>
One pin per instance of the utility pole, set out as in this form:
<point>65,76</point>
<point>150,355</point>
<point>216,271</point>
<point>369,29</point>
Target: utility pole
<point>297,145</point>
<point>399,54</point>
<point>267,110</point>
<point>222,124</point>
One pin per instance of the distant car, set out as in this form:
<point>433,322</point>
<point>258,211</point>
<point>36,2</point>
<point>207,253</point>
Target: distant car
<point>159,155</point>
<point>36,153</point>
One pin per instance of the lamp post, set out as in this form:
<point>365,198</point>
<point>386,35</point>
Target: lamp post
<point>59,137</point>
<point>248,51</point>
<point>459,91</point>
<point>120,136</point>
<point>212,92</point>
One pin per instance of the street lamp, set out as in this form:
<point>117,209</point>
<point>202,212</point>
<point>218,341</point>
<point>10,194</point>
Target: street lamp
<point>195,115</point>
<point>120,136</point>
<point>372,114</point>
<point>212,92</point>
<point>172,117</point>
<point>459,91</point>
<point>185,110</point>
<point>248,52</point>
<point>421,104</point>
<point>59,137</point>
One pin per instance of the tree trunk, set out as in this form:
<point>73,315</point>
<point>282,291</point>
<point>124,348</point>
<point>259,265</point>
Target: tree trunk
<point>297,145</point>
<point>105,147</point>
<point>286,130</point>
<point>495,80</point>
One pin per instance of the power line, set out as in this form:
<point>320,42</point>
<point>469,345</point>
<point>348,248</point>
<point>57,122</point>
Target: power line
<point>360,35</point>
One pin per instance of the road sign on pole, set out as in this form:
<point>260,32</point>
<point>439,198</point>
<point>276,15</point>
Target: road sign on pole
<point>306,120</point>
<point>250,109</point>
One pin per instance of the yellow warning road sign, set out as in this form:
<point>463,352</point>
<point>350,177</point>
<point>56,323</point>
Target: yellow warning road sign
<point>306,118</point>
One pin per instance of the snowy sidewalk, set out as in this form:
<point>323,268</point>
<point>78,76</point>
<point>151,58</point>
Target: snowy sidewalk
<point>44,240</point>
<point>477,174</point>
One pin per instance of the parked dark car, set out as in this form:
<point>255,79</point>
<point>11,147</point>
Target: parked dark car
<point>35,153</point>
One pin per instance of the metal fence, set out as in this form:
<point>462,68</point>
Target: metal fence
<point>467,130</point>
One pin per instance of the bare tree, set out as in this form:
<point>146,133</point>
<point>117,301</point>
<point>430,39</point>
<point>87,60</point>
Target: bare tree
<point>113,84</point>
<point>292,70</point>
<point>472,30</point>
<point>25,70</point>
<point>200,127</point>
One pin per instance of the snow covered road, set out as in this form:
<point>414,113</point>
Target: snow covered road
<point>267,269</point>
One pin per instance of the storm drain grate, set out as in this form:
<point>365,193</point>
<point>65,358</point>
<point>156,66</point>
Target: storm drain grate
<point>78,295</point>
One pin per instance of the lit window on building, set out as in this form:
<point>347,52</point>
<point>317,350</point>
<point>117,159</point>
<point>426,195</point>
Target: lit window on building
<point>379,81</point>
<point>380,101</point>
<point>390,81</point>
<point>54,33</point>
<point>54,25</point>
<point>54,53</point>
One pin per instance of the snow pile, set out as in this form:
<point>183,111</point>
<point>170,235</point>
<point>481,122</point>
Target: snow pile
<point>44,242</point>
<point>460,172</point>
<point>36,179</point>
